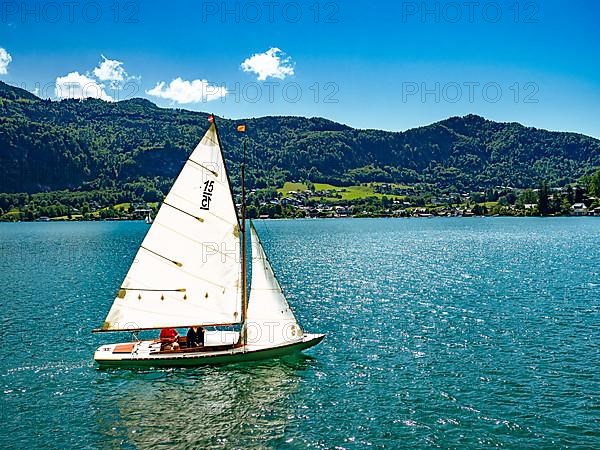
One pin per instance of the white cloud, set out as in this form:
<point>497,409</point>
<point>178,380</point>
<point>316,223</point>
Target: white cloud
<point>5,60</point>
<point>76,85</point>
<point>110,73</point>
<point>183,91</point>
<point>110,70</point>
<point>272,63</point>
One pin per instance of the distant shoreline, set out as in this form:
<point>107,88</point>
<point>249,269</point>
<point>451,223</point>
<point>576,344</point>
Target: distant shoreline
<point>315,218</point>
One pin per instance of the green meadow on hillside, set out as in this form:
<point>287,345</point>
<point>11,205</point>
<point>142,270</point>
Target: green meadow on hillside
<point>340,192</point>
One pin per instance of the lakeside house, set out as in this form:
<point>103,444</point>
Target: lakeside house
<point>579,209</point>
<point>343,211</point>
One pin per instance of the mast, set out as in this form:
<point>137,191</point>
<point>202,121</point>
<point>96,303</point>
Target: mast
<point>244,330</point>
<point>242,226</point>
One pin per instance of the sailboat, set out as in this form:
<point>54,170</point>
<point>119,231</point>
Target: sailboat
<point>191,270</point>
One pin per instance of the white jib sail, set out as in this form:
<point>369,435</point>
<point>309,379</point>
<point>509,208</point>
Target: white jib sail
<point>270,321</point>
<point>187,270</point>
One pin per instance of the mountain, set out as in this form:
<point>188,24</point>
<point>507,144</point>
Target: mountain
<point>15,93</point>
<point>91,144</point>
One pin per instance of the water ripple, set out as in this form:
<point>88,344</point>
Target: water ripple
<point>441,333</point>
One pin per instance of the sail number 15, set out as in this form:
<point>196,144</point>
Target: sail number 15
<point>207,194</point>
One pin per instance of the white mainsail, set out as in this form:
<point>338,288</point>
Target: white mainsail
<point>187,270</point>
<point>270,319</point>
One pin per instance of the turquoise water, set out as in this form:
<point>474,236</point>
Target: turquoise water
<point>462,333</point>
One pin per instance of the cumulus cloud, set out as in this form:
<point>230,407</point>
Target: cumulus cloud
<point>110,73</point>
<point>110,70</point>
<point>76,85</point>
<point>272,63</point>
<point>5,60</point>
<point>183,91</point>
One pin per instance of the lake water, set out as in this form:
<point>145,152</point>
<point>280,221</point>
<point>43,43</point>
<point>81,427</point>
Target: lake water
<point>462,333</point>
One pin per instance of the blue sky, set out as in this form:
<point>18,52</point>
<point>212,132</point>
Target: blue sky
<point>388,65</point>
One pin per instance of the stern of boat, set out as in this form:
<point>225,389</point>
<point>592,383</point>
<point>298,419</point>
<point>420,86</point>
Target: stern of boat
<point>115,352</point>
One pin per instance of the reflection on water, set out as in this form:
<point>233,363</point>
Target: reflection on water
<point>242,405</point>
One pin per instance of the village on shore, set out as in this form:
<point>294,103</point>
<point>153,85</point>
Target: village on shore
<point>501,201</point>
<point>308,200</point>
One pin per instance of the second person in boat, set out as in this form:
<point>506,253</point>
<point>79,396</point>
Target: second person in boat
<point>195,337</point>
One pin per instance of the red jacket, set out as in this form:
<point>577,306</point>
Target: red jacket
<point>168,335</point>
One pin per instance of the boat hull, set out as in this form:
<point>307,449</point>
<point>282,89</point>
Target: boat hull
<point>106,357</point>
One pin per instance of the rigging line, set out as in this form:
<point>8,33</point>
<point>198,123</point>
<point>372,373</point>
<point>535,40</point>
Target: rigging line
<point>265,227</point>
<point>190,273</point>
<point>268,234</point>
<point>204,167</point>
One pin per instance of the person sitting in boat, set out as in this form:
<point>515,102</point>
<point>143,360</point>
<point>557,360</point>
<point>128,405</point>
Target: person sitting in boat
<point>169,338</point>
<point>195,337</point>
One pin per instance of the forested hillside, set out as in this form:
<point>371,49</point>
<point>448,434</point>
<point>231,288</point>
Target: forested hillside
<point>94,145</point>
